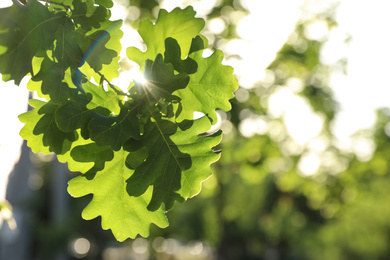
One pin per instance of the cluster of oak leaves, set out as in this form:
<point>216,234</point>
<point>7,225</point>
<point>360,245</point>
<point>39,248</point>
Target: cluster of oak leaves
<point>138,151</point>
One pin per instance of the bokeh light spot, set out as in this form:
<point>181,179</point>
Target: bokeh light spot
<point>80,247</point>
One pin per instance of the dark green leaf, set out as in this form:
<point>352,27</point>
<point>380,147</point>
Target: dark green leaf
<point>197,44</point>
<point>41,130</point>
<point>92,153</point>
<point>24,31</point>
<point>74,114</point>
<point>177,161</point>
<point>67,52</point>
<point>81,15</point>
<point>114,130</point>
<point>51,77</point>
<point>52,135</point>
<point>172,55</point>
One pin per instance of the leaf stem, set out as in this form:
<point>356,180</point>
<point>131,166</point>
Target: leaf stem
<point>113,87</point>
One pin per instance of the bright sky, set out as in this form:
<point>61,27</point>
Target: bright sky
<point>366,87</point>
<point>263,32</point>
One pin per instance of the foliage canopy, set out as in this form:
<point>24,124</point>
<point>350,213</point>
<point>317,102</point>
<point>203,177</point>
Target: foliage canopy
<point>140,149</point>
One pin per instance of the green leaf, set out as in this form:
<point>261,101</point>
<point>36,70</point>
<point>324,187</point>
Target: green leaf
<point>30,119</point>
<point>24,31</point>
<point>178,24</point>
<point>192,140</point>
<point>67,52</point>
<point>91,8</point>
<point>101,46</point>
<point>111,70</point>
<point>161,80</point>
<point>60,5</point>
<point>92,153</point>
<point>74,114</point>
<point>108,100</point>
<point>133,153</point>
<point>81,15</point>
<point>52,135</point>
<point>76,163</point>
<point>50,80</point>
<point>125,215</point>
<point>210,88</point>
<point>178,160</point>
<point>114,130</point>
<point>41,130</point>
<point>198,43</point>
<point>172,55</point>
<point>105,3</point>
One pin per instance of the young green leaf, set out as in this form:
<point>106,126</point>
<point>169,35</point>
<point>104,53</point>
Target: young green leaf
<point>178,24</point>
<point>60,5</point>
<point>101,47</point>
<point>105,100</point>
<point>30,119</point>
<point>77,163</point>
<point>125,215</point>
<point>105,3</point>
<point>210,87</point>
<point>136,150</point>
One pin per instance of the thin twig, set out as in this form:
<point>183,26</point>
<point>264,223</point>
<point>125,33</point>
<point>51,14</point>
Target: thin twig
<point>113,87</point>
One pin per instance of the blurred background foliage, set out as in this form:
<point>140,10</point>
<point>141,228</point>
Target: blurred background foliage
<point>271,196</point>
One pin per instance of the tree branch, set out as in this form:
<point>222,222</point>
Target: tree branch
<point>113,87</point>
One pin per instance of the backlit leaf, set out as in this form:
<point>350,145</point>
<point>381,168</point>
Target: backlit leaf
<point>161,80</point>
<point>81,15</point>
<point>126,216</point>
<point>101,46</point>
<point>50,80</point>
<point>92,153</point>
<point>210,88</point>
<point>178,160</point>
<point>114,130</point>
<point>108,100</point>
<point>172,55</point>
<point>138,150</point>
<point>74,114</point>
<point>67,52</point>
<point>178,24</point>
<point>41,131</point>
